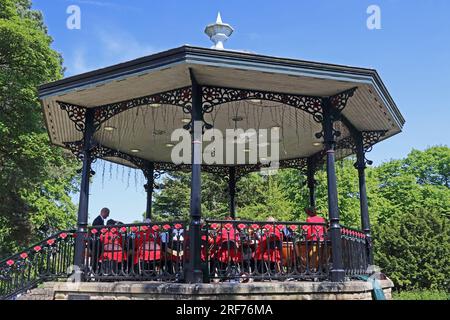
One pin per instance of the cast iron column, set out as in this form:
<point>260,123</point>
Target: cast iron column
<point>195,274</point>
<point>232,191</point>
<point>361,166</point>
<point>149,172</point>
<point>84,191</point>
<point>311,181</point>
<point>337,272</point>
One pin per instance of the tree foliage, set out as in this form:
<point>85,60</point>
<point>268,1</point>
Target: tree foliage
<point>35,178</point>
<point>413,248</point>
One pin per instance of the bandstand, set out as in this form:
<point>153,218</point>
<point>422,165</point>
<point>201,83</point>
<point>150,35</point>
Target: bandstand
<point>126,114</point>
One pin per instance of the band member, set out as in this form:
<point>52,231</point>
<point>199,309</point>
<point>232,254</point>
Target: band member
<point>314,232</point>
<point>268,250</point>
<point>100,220</point>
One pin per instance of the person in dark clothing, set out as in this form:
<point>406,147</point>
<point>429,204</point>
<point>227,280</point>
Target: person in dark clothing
<point>100,220</point>
<point>94,244</point>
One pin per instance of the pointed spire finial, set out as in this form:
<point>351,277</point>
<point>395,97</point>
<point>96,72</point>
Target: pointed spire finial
<point>218,32</point>
<point>219,18</point>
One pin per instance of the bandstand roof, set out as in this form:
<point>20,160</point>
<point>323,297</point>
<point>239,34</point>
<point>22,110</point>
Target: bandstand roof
<point>148,128</point>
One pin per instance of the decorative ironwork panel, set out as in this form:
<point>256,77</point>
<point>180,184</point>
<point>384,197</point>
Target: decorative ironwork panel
<point>213,96</point>
<point>76,147</point>
<point>339,101</point>
<point>181,97</point>
<point>76,113</point>
<point>369,139</point>
<point>372,137</point>
<point>347,143</point>
<point>299,163</point>
<point>169,166</point>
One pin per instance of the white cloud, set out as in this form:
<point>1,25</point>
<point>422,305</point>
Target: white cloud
<point>120,46</point>
<point>109,47</point>
<point>78,64</point>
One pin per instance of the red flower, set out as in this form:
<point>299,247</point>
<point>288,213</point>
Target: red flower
<point>37,248</point>
<point>242,226</point>
<point>10,262</point>
<point>113,230</point>
<point>24,255</point>
<point>280,227</point>
<point>50,241</point>
<point>134,229</point>
<point>293,227</point>
<point>155,228</point>
<point>123,229</point>
<point>63,235</point>
<point>94,231</point>
<point>228,226</point>
<point>268,227</point>
<point>166,227</point>
<point>214,226</point>
<point>144,228</point>
<point>178,226</point>
<point>255,226</point>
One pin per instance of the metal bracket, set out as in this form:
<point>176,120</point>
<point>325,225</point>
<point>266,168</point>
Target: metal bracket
<point>339,101</point>
<point>76,113</point>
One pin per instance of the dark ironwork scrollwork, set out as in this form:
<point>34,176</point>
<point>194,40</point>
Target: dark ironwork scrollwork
<point>372,137</point>
<point>213,96</point>
<point>339,101</point>
<point>181,97</point>
<point>76,147</point>
<point>76,113</point>
<point>369,139</point>
<point>347,143</point>
<point>298,163</point>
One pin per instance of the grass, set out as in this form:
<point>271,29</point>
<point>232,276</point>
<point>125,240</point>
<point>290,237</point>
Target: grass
<point>421,295</point>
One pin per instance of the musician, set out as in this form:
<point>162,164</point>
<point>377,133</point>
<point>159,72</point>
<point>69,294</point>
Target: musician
<point>148,244</point>
<point>100,220</point>
<point>224,253</point>
<point>314,232</point>
<point>268,251</point>
<point>112,244</point>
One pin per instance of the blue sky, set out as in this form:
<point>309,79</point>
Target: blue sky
<point>411,53</point>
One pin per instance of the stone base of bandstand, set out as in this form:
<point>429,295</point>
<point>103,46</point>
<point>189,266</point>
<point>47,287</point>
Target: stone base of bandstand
<point>293,290</point>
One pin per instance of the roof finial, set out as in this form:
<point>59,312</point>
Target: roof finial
<point>219,18</point>
<point>218,32</point>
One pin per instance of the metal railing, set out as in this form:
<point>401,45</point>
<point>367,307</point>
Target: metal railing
<point>255,250</point>
<point>237,251</point>
<point>47,260</point>
<point>354,252</point>
<point>136,252</point>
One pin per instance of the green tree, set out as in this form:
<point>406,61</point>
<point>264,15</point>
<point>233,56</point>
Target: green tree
<point>35,178</point>
<point>413,249</point>
<point>420,181</point>
<point>171,199</point>
<point>273,201</point>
